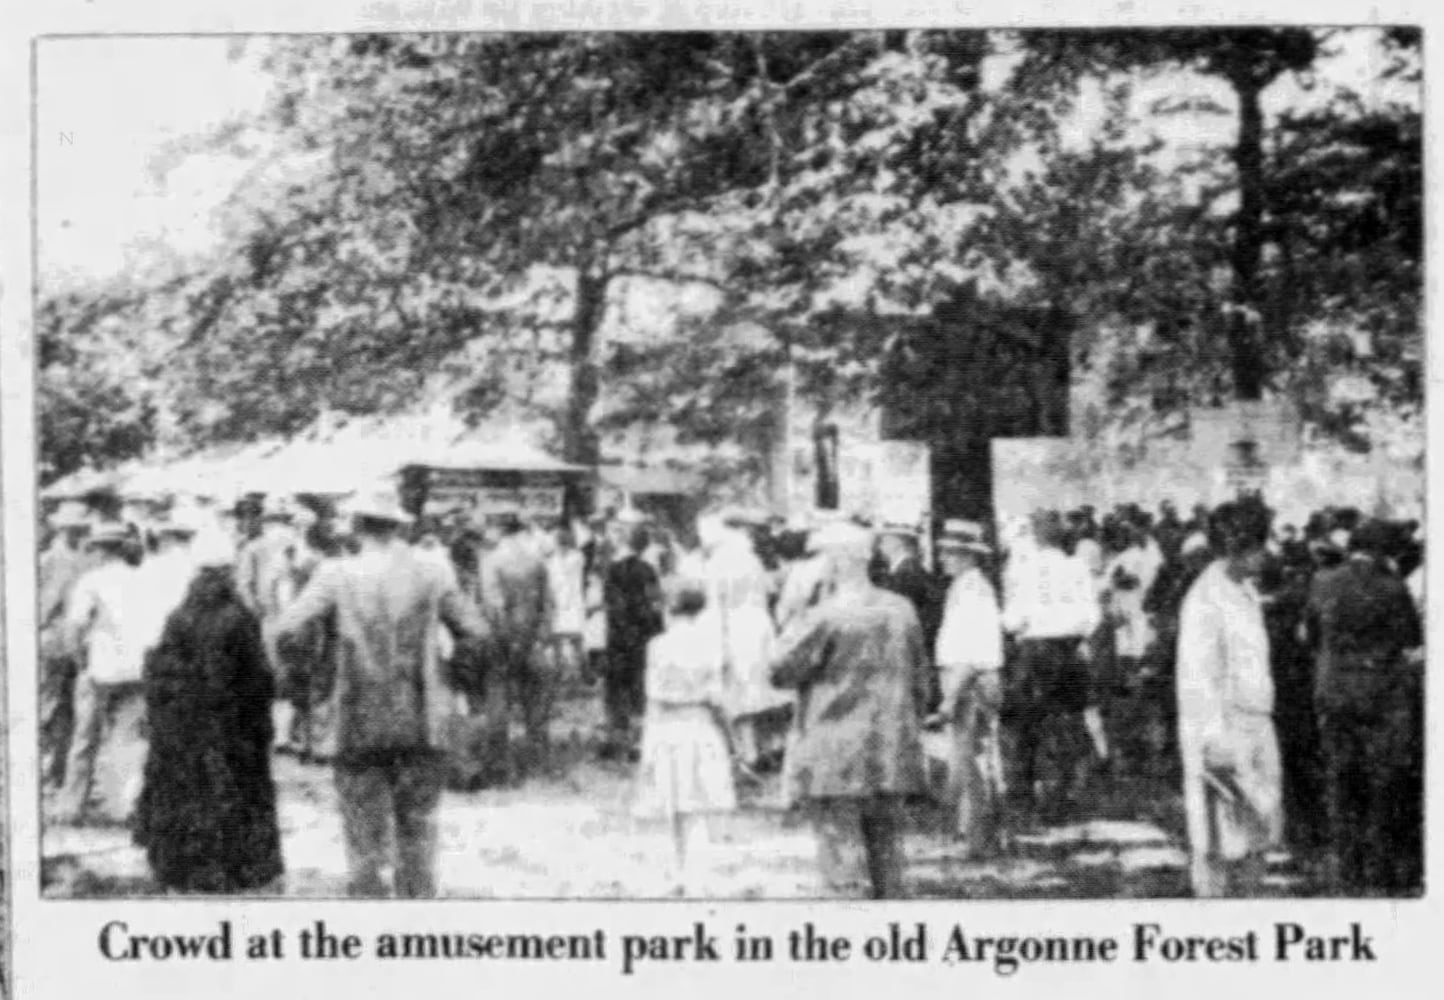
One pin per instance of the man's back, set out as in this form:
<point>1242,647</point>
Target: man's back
<point>861,671</point>
<point>1361,618</point>
<point>515,593</point>
<point>390,692</point>
<point>631,594</point>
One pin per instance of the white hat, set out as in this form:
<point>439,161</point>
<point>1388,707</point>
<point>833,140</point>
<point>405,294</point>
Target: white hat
<point>964,542</point>
<point>897,528</point>
<point>1194,543</point>
<point>956,526</point>
<point>109,533</point>
<point>279,508</point>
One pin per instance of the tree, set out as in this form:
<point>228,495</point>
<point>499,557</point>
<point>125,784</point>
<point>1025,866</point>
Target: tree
<point>1249,60</point>
<point>448,183</point>
<point>98,404</point>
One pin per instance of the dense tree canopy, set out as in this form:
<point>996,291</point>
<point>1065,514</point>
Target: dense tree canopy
<point>415,198</point>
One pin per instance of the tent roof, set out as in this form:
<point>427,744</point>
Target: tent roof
<point>355,458</point>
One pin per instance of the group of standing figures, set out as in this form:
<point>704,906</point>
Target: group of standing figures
<point>1272,681</point>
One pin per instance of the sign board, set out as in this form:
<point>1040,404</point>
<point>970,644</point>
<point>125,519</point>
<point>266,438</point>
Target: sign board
<point>492,491</point>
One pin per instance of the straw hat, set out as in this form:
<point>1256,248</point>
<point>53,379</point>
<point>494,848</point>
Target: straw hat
<point>897,528</point>
<point>963,543</point>
<point>960,528</point>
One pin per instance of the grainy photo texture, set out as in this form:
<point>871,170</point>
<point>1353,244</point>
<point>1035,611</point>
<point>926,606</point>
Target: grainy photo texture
<point>933,464</point>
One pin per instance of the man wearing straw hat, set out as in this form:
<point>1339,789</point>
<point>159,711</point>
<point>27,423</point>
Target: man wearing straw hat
<point>393,700</point>
<point>969,654</point>
<point>858,666</point>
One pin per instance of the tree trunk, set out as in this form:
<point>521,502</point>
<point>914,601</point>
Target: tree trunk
<point>1245,348</point>
<point>579,440</point>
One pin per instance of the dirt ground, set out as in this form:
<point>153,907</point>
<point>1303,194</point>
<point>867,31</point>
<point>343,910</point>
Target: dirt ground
<point>570,836</point>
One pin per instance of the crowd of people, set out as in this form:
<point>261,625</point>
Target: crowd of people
<point>1269,675</point>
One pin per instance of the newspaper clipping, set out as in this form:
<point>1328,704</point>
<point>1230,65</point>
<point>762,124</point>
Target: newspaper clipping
<point>509,499</point>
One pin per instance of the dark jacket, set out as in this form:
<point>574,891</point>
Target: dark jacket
<point>633,603</point>
<point>207,811</point>
<point>910,580</point>
<point>1360,619</point>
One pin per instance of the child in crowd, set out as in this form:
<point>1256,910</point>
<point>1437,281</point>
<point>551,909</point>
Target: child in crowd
<point>685,771</point>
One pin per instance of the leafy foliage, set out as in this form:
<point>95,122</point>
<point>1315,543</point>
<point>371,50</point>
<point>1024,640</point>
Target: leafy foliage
<point>482,208</point>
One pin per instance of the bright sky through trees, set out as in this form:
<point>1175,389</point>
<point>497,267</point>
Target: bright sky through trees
<point>107,106</point>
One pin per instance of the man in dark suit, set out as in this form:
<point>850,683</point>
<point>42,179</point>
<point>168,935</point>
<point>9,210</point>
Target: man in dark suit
<point>517,604</point>
<point>900,570</point>
<point>1368,692</point>
<point>633,598</point>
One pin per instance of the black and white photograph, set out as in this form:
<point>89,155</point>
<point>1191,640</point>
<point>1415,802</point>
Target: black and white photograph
<point>942,464</point>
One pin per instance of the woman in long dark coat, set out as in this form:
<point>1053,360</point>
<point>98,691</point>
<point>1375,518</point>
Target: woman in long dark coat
<point>207,813</point>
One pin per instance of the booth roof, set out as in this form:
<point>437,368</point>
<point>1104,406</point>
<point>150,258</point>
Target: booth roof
<point>341,465</point>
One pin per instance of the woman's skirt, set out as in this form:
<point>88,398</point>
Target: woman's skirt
<point>685,766</point>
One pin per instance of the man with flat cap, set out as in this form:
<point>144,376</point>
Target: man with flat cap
<point>860,671</point>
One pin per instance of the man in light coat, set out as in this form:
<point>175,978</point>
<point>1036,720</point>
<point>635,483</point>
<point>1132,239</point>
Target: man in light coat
<point>393,700</point>
<point>107,619</point>
<point>1232,776</point>
<point>861,674</point>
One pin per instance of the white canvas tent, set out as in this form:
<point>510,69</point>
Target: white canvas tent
<point>357,456</point>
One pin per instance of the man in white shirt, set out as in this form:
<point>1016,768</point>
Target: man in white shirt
<point>969,656</point>
<point>106,618</point>
<point>1051,609</point>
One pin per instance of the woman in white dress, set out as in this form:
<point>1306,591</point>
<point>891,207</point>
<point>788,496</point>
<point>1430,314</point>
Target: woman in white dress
<point>1232,778</point>
<point>685,770</point>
